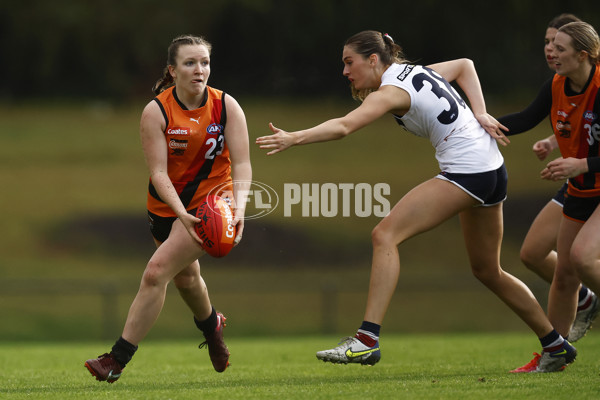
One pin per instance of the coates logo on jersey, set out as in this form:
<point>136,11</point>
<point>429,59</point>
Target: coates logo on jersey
<point>214,129</point>
<point>589,116</point>
<point>175,131</point>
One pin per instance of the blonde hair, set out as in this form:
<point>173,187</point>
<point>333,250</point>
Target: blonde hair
<point>583,38</point>
<point>370,42</point>
<point>166,80</point>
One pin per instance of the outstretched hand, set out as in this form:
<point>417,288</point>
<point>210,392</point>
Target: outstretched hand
<point>493,127</point>
<point>278,141</point>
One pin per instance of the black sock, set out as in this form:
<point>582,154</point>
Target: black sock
<point>551,341</point>
<point>371,327</point>
<point>209,325</point>
<point>123,351</point>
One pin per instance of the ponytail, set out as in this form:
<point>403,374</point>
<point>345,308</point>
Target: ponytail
<point>163,83</point>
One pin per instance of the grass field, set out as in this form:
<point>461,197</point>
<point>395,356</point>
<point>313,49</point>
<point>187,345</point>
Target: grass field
<point>74,183</point>
<point>463,366</point>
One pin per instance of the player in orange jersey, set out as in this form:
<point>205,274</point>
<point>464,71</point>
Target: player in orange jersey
<point>195,139</point>
<point>572,99</point>
<point>538,250</point>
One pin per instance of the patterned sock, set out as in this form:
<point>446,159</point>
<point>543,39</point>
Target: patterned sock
<point>209,325</point>
<point>552,341</point>
<point>585,298</point>
<point>368,333</point>
<point>123,351</point>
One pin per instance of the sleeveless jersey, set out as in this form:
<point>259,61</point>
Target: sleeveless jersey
<point>198,157</point>
<point>576,124</point>
<point>437,112</point>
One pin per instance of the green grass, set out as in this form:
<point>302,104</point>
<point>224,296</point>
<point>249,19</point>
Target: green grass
<point>458,366</point>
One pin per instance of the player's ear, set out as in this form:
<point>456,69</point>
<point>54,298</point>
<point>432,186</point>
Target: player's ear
<point>172,71</point>
<point>373,58</point>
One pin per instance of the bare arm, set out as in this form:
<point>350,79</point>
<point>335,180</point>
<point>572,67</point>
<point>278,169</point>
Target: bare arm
<point>152,126</point>
<point>385,99</point>
<point>236,137</point>
<point>463,72</point>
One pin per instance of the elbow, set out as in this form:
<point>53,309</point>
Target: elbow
<point>343,131</point>
<point>468,62</point>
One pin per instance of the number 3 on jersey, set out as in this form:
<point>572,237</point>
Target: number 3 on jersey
<point>446,92</point>
<point>215,147</point>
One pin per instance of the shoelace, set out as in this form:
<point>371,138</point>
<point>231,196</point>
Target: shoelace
<point>346,340</point>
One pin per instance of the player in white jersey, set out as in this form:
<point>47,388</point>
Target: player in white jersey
<point>471,184</point>
<point>439,114</point>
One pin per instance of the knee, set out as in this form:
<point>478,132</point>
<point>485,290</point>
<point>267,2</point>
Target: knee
<point>185,281</point>
<point>154,274</point>
<point>381,237</point>
<point>581,261</point>
<point>189,280</point>
<point>530,257</point>
<point>485,274</point>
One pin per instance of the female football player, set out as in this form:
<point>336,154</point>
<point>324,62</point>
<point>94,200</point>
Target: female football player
<point>571,99</point>
<point>471,184</point>
<point>538,250</point>
<point>195,140</point>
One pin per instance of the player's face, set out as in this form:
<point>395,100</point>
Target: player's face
<point>357,69</point>
<point>548,47</point>
<point>566,58</point>
<point>193,68</point>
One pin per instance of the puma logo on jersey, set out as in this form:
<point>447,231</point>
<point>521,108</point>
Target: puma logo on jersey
<point>195,120</point>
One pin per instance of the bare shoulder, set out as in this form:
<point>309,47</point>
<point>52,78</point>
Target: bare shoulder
<point>152,116</point>
<point>391,99</point>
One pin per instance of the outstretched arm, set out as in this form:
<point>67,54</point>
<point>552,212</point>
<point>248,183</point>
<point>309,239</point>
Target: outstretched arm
<point>375,105</point>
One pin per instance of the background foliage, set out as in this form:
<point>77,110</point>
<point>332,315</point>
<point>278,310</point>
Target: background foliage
<point>73,180</point>
<point>116,49</point>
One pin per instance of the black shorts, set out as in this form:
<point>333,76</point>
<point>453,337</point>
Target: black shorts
<point>489,188</point>
<point>580,208</point>
<point>161,226</point>
<point>559,197</point>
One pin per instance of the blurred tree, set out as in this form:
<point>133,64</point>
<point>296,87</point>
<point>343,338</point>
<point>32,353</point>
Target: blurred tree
<point>116,49</point>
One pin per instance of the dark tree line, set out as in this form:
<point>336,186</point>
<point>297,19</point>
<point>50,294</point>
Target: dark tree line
<point>116,49</point>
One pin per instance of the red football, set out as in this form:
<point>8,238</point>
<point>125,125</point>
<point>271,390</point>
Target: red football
<point>215,230</point>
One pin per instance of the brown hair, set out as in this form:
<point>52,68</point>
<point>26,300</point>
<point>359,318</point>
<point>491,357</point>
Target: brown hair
<point>583,38</point>
<point>166,81</point>
<point>561,20</point>
<point>366,43</point>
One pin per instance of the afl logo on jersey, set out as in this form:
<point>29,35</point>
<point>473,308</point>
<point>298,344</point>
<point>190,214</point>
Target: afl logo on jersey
<point>214,129</point>
<point>589,116</point>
